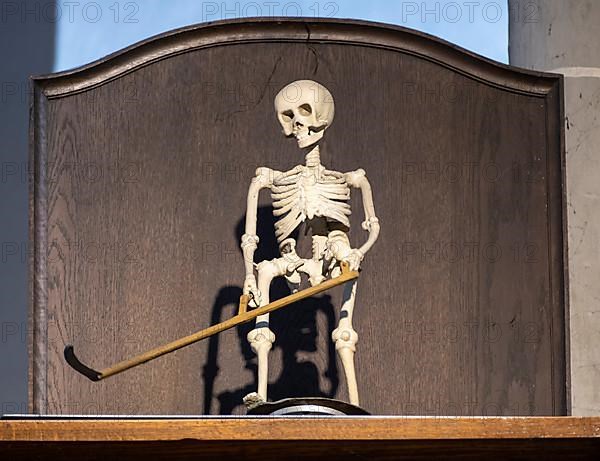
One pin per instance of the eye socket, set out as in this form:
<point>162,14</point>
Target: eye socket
<point>305,109</point>
<point>287,116</point>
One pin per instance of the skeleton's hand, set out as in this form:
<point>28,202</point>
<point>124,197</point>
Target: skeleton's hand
<point>354,259</point>
<point>252,290</point>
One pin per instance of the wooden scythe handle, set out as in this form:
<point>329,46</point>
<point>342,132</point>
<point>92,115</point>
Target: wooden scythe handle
<point>243,316</point>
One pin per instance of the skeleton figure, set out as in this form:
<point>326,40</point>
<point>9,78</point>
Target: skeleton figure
<point>313,194</point>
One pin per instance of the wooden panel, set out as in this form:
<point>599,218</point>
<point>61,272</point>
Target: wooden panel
<point>309,438</point>
<point>460,307</point>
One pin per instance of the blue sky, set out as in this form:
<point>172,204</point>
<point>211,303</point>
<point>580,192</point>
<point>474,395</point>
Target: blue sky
<point>87,31</point>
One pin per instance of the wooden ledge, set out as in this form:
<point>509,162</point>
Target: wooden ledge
<point>303,438</point>
<point>308,428</point>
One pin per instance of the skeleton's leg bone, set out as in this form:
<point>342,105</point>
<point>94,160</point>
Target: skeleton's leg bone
<point>261,339</point>
<point>344,336</point>
<point>345,339</point>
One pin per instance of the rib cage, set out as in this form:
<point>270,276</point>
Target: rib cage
<point>305,192</point>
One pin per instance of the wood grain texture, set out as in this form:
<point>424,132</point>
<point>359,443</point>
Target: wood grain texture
<point>147,158</point>
<point>301,428</point>
<point>305,438</point>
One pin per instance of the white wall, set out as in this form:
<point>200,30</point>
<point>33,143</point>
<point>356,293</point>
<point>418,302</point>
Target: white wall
<point>565,38</point>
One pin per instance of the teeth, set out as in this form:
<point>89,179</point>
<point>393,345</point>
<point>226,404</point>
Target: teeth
<point>303,135</point>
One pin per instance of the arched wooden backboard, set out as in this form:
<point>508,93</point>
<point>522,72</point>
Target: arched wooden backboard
<point>142,164</point>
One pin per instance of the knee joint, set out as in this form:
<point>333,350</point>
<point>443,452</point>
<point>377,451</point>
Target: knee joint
<point>345,337</point>
<point>261,337</point>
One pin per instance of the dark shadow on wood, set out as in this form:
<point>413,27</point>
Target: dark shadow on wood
<point>296,330</point>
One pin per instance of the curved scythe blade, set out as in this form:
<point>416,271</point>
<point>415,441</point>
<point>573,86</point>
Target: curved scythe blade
<point>86,371</point>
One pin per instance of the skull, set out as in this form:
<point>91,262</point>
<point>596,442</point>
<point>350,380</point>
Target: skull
<point>305,109</point>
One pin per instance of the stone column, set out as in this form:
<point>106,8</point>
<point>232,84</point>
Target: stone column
<point>564,37</point>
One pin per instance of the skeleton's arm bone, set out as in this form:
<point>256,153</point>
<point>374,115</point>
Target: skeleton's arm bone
<point>263,178</point>
<point>358,179</point>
